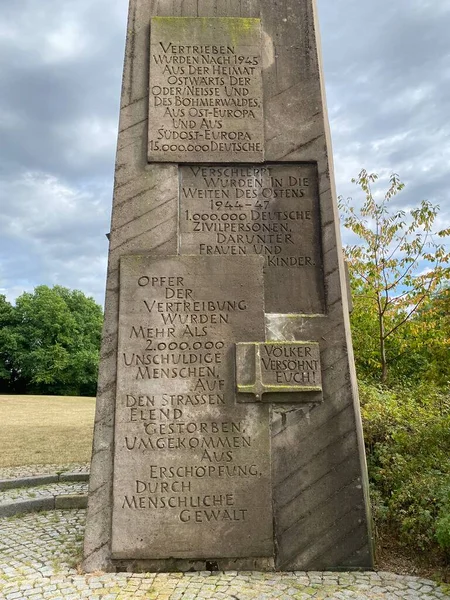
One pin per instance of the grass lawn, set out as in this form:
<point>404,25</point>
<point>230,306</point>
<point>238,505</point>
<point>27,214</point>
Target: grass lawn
<point>45,430</point>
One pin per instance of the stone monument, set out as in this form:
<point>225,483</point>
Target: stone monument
<point>227,433</point>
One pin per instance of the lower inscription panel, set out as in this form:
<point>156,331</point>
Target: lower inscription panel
<point>191,467</point>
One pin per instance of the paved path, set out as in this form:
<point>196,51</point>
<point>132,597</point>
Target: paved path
<point>42,491</point>
<point>39,554</point>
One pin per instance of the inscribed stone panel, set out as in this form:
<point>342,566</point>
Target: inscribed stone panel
<point>271,210</point>
<point>287,372</point>
<point>205,90</point>
<point>191,467</point>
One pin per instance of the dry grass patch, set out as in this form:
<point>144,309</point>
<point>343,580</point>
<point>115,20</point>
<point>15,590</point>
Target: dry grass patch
<point>45,430</point>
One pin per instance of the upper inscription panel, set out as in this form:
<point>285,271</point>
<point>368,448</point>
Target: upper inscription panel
<point>205,90</point>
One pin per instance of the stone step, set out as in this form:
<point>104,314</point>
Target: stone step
<point>71,492</point>
<point>38,480</point>
<point>45,503</point>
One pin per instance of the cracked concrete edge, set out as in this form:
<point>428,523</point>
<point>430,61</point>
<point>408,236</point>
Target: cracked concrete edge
<point>71,501</point>
<point>67,502</point>
<point>37,480</point>
<point>73,477</point>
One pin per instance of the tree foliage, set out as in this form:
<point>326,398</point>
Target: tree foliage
<point>428,339</point>
<point>396,268</point>
<point>49,342</point>
<point>7,320</point>
<point>407,435</point>
<point>401,334</point>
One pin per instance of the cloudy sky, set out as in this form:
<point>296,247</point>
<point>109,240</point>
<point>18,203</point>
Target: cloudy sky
<point>387,69</point>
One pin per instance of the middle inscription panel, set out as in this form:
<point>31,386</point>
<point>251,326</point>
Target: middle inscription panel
<point>270,210</point>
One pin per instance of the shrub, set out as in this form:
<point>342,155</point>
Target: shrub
<point>407,432</point>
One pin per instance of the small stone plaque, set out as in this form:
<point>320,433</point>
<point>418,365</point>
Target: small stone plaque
<point>272,211</point>
<point>191,467</point>
<point>279,372</point>
<point>206,102</point>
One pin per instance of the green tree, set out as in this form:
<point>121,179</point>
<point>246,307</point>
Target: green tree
<point>54,341</point>
<point>428,339</point>
<point>8,374</point>
<point>364,331</point>
<point>399,263</point>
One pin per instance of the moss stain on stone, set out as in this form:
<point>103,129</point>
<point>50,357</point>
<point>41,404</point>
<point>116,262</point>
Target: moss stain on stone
<point>238,28</point>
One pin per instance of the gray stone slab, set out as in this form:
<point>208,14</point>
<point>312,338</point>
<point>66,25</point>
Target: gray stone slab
<point>191,468</point>
<point>74,477</point>
<point>206,102</point>
<point>278,372</point>
<point>72,501</point>
<point>19,507</point>
<point>9,484</point>
<point>271,210</point>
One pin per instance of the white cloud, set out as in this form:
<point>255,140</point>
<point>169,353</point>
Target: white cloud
<point>53,233</point>
<point>43,205</point>
<point>88,138</point>
<point>68,42</point>
<point>425,7</point>
<point>44,36</point>
<point>387,70</point>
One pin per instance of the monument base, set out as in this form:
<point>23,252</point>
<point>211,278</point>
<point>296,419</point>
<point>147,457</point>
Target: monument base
<point>261,565</point>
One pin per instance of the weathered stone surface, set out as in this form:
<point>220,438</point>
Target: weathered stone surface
<point>191,468</point>
<point>70,502</point>
<point>268,372</point>
<point>319,482</point>
<point>206,101</point>
<point>319,490</point>
<point>74,477</point>
<point>271,210</point>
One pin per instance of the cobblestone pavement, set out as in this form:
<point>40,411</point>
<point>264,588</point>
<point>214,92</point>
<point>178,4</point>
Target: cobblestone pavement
<point>32,470</point>
<point>39,554</point>
<point>53,489</point>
